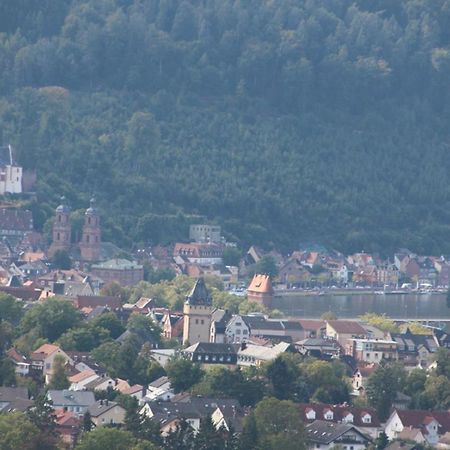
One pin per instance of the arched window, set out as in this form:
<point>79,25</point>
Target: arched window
<point>87,238</point>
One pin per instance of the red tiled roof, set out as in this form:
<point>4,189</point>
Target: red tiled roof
<point>347,327</point>
<point>418,418</point>
<point>92,301</point>
<point>339,413</point>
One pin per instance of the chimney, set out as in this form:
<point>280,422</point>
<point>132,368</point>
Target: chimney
<point>144,390</point>
<point>101,402</point>
<point>243,346</point>
<point>106,402</point>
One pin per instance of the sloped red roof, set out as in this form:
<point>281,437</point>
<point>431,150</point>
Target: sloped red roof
<point>347,327</point>
<point>418,418</point>
<point>261,283</point>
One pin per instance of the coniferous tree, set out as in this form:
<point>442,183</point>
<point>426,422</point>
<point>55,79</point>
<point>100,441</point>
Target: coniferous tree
<point>59,380</point>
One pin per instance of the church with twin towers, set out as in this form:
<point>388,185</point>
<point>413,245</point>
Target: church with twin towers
<point>90,244</point>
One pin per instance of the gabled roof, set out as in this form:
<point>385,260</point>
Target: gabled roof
<point>102,406</point>
<point>68,398</point>
<point>339,413</point>
<point>324,432</point>
<point>46,350</point>
<point>199,294</point>
<point>347,327</point>
<point>419,418</point>
<point>212,347</point>
<point>83,375</point>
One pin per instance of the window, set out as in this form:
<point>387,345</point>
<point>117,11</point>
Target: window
<point>206,358</point>
<point>244,331</point>
<point>196,321</point>
<point>238,331</point>
<point>202,322</point>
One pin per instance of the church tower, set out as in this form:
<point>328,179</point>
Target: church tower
<point>90,241</point>
<point>61,229</point>
<point>197,314</point>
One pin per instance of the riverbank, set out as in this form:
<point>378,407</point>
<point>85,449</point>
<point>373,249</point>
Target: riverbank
<point>341,292</point>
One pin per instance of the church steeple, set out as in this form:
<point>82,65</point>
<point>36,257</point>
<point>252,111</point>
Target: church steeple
<point>61,229</point>
<point>91,238</point>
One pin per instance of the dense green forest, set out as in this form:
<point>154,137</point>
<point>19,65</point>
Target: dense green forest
<point>287,122</point>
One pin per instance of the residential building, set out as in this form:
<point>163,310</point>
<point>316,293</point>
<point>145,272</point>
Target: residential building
<point>203,254</point>
<point>211,353</point>
<point>126,273</point>
<point>193,410</point>
<point>79,381</point>
<point>77,402</point>
<point>360,377</point>
<point>318,347</point>
<point>324,435</point>
<point>21,362</point>
<point>260,290</point>
<point>365,419</point>
<point>372,350</point>
<point>68,426</point>
<point>237,330</point>
<point>105,412</point>
<point>432,424</point>
<point>42,360</point>
<point>159,390</point>
<point>162,355</point>
<point>342,330</point>
<point>416,349</point>
<point>256,355</point>
<point>197,312</point>
<point>14,399</point>
<point>94,301</point>
<point>219,321</point>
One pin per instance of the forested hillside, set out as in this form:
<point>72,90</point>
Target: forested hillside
<point>287,121</point>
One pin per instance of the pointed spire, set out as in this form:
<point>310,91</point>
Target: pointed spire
<point>199,294</point>
<point>92,209</point>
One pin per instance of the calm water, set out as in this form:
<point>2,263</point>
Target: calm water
<point>409,306</point>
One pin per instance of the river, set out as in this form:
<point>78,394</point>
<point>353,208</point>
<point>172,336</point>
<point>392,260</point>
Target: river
<point>410,306</point>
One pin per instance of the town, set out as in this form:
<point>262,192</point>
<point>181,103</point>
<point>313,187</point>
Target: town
<point>181,346</point>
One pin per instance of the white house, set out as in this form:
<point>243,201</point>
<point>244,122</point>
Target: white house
<point>432,424</point>
<point>10,172</point>
<point>237,330</point>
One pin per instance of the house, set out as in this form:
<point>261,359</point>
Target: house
<point>68,426</point>
<point>193,410</point>
<point>256,355</point>
<point>211,353</point>
<point>126,273</point>
<point>42,360</point>
<point>143,305</point>
<point>402,445</point>
<point>219,322</point>
<point>101,383</point>
<point>432,424</point>
<point>79,381</point>
<point>14,399</point>
<point>281,330</point>
<point>77,402</point>
<point>21,362</point>
<point>105,412</point>
<point>172,325</point>
<point>365,419</point>
<point>313,328</point>
<point>162,355</point>
<point>203,254</point>
<point>416,349</point>
<point>260,290</point>
<point>136,390</point>
<point>159,390</point>
<point>322,434</point>
<point>237,330</point>
<point>342,330</point>
<point>318,347</point>
<point>372,350</point>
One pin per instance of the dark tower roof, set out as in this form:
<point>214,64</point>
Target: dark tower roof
<point>92,210</point>
<point>63,208</point>
<point>199,294</point>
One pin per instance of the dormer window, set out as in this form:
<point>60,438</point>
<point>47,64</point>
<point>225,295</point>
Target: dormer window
<point>310,414</point>
<point>328,415</point>
<point>367,418</point>
<point>348,418</point>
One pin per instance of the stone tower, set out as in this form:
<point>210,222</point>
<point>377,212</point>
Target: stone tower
<point>90,241</point>
<point>61,229</point>
<point>197,314</point>
<point>260,290</point>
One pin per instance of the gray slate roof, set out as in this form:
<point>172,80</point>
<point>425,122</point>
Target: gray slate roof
<point>199,294</point>
<point>324,432</point>
<point>71,398</point>
<point>101,406</point>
